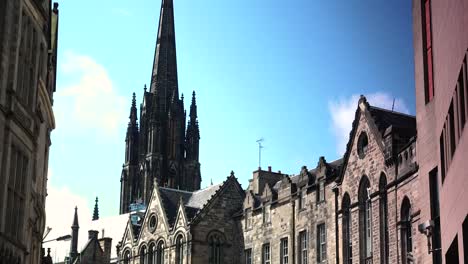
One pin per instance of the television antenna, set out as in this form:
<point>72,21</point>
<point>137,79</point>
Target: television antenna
<point>259,141</point>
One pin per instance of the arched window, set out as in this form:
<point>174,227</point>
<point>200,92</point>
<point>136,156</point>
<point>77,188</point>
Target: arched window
<point>383,217</point>
<point>406,232</point>
<point>365,221</point>
<point>347,244</point>
<point>126,257</point>
<point>143,255</point>
<point>215,241</point>
<point>151,251</point>
<point>179,250</point>
<point>160,253</point>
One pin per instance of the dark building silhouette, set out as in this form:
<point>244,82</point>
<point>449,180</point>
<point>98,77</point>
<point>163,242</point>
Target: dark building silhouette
<point>160,148</point>
<point>28,60</point>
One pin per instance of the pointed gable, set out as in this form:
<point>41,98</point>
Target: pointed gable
<point>378,121</point>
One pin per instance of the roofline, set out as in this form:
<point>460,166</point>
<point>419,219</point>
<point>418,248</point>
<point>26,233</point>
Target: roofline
<point>393,112</point>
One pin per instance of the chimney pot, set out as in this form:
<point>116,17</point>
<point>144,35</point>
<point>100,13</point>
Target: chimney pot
<point>269,168</point>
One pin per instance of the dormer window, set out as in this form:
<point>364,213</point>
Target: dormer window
<point>362,145</point>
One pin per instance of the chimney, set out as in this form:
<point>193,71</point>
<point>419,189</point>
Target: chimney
<point>269,168</point>
<point>106,246</point>
<point>279,172</point>
<point>93,234</point>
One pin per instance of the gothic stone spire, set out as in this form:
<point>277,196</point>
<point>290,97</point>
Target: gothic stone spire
<point>74,242</point>
<point>164,76</point>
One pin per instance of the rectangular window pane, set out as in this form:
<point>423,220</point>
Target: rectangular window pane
<point>461,95</point>
<point>321,243</point>
<point>284,251</point>
<point>248,256</point>
<point>266,254</point>
<point>452,131</point>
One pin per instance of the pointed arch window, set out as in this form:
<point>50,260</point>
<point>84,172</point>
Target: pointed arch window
<point>160,253</point>
<point>365,221</point>
<point>215,241</point>
<point>347,242</point>
<point>151,251</point>
<point>143,255</point>
<point>126,257</point>
<point>383,217</point>
<point>179,250</point>
<point>406,232</point>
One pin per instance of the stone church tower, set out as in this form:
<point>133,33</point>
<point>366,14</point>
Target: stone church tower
<point>160,148</point>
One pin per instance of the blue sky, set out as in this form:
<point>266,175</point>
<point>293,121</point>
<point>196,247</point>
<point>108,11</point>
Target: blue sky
<point>287,71</point>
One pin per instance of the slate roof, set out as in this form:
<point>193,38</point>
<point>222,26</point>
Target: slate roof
<point>193,201</point>
<point>384,118</point>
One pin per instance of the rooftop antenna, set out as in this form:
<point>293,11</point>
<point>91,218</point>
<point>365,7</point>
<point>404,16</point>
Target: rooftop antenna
<point>393,104</point>
<point>259,141</point>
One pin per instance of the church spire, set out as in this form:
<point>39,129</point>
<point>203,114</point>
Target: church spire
<point>96,210</point>
<point>193,132</point>
<point>164,76</point>
<point>74,242</point>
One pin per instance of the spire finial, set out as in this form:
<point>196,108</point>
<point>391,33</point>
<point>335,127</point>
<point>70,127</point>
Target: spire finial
<point>144,88</point>
<point>96,210</point>
<point>75,218</point>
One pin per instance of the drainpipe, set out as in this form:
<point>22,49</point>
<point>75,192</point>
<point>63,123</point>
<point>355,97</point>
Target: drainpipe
<point>293,232</point>
<point>337,236</point>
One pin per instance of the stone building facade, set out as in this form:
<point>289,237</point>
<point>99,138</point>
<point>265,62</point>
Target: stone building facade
<point>28,55</point>
<point>377,189</point>
<point>185,227</point>
<point>440,33</point>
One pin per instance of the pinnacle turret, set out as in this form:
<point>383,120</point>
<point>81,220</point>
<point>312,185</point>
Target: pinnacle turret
<point>96,210</point>
<point>133,112</point>
<point>193,109</point>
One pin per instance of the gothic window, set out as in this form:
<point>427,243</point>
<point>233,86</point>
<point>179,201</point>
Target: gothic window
<point>284,259</point>
<point>151,253</point>
<point>215,241</point>
<point>179,250</point>
<point>126,257</point>
<point>321,243</point>
<point>347,242</point>
<point>383,217</point>
<point>406,232</point>
<point>160,253</point>
<point>362,144</point>
<point>143,255</point>
<point>266,254</point>
<point>303,246</point>
<point>16,193</point>
<point>248,256</point>
<point>365,221</point>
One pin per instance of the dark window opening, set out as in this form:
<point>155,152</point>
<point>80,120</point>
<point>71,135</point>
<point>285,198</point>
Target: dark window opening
<point>321,243</point>
<point>406,232</point>
<point>451,130</point>
<point>363,143</point>
<point>383,216</point>
<point>452,253</point>
<point>347,242</point>
<point>442,155</point>
<point>435,216</point>
<point>365,221</point>
<point>427,50</point>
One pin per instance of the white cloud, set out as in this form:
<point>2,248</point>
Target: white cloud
<point>342,112</point>
<point>88,101</point>
<point>60,210</point>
